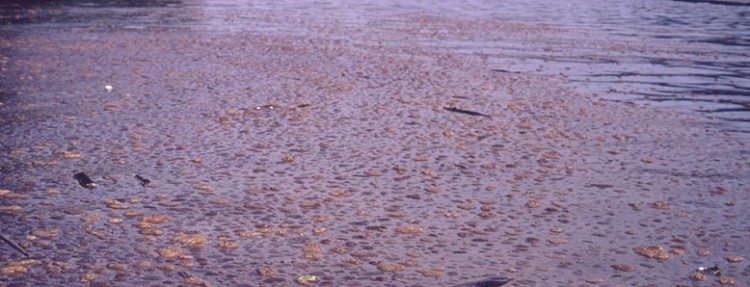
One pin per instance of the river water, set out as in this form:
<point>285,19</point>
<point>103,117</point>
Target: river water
<point>388,143</point>
<point>666,53</point>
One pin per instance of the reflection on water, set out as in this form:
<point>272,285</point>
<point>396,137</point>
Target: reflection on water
<point>673,53</point>
<point>381,143</point>
<point>93,14</point>
<point>664,52</point>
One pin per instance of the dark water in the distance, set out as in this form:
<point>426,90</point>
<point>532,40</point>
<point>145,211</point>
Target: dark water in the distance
<point>668,53</point>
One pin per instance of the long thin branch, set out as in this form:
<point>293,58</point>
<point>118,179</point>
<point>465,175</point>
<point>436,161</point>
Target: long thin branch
<point>462,111</point>
<point>15,246</point>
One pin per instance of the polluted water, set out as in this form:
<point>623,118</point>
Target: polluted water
<point>252,143</point>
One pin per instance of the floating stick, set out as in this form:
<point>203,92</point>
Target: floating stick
<point>468,112</point>
<point>15,246</point>
<point>144,181</point>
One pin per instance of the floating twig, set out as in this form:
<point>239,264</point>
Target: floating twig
<point>15,246</point>
<point>144,181</point>
<point>468,112</point>
<point>504,71</point>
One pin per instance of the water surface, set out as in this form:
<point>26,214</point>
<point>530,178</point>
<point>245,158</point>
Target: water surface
<point>317,138</point>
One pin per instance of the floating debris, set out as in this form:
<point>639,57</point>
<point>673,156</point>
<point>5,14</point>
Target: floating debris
<point>504,71</point>
<point>489,282</point>
<point>144,182</point>
<point>462,111</point>
<point>84,180</point>
<point>14,245</point>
